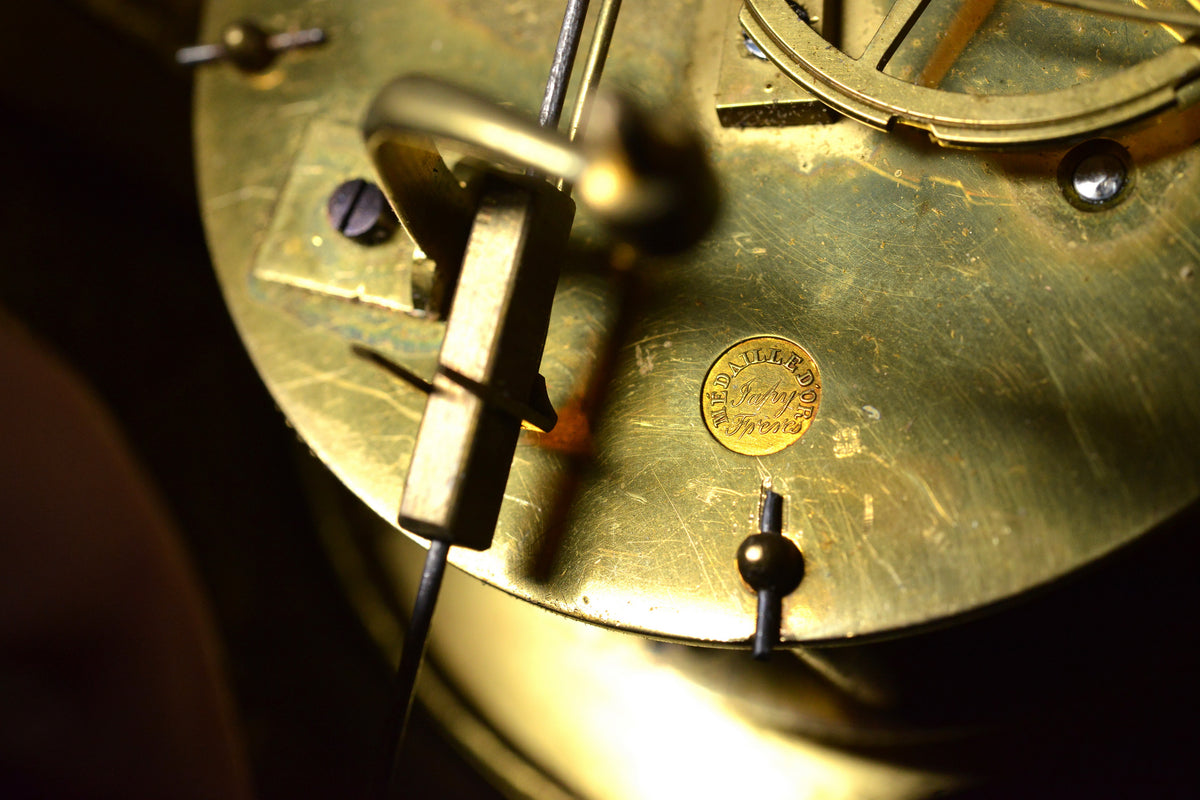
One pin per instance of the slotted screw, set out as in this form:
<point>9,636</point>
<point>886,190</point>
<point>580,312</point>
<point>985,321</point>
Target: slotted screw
<point>358,210</point>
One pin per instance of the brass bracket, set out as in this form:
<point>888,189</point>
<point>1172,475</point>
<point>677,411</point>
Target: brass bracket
<point>490,355</point>
<point>753,93</point>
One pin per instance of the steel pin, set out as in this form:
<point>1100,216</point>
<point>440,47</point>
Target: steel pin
<point>773,567</point>
<point>249,47</point>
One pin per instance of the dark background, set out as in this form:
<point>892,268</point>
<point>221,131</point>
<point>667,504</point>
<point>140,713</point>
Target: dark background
<point>102,256</point>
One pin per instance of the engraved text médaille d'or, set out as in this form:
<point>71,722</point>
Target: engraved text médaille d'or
<point>761,395</point>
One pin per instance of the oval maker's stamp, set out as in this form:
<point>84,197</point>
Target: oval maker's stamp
<point>761,395</point>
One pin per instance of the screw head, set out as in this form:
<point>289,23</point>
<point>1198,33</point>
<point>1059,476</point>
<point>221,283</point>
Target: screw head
<point>1096,175</point>
<point>1099,178</point>
<point>752,48</point>
<point>770,562</point>
<point>358,210</point>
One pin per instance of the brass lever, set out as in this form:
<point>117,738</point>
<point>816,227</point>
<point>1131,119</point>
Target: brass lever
<point>646,177</point>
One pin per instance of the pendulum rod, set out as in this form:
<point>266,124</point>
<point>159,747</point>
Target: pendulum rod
<point>589,79</point>
<point>413,650</point>
<point>593,68</point>
<point>391,782</point>
<point>564,60</point>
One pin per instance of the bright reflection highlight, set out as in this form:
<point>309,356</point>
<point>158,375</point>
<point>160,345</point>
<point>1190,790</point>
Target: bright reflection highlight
<point>607,715</point>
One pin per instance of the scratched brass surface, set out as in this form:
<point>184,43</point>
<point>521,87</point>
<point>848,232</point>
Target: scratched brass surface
<point>1009,383</point>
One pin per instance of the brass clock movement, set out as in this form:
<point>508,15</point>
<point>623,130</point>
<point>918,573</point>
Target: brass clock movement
<point>941,336</point>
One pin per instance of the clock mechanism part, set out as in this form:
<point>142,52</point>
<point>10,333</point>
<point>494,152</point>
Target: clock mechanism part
<point>864,89</point>
<point>941,374</point>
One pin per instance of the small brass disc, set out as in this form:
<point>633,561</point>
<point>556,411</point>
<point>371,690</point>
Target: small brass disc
<point>761,395</point>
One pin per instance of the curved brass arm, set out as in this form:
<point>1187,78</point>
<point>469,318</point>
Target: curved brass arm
<point>405,122</point>
<point>647,178</point>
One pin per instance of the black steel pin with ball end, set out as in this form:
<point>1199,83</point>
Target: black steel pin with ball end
<point>773,567</point>
<point>248,47</point>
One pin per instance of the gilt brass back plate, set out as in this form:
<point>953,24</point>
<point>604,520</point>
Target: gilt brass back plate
<point>1010,385</point>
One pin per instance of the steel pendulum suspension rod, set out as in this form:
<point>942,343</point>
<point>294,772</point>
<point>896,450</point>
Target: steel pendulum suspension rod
<point>564,60</point>
<point>412,652</point>
<point>435,562</point>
